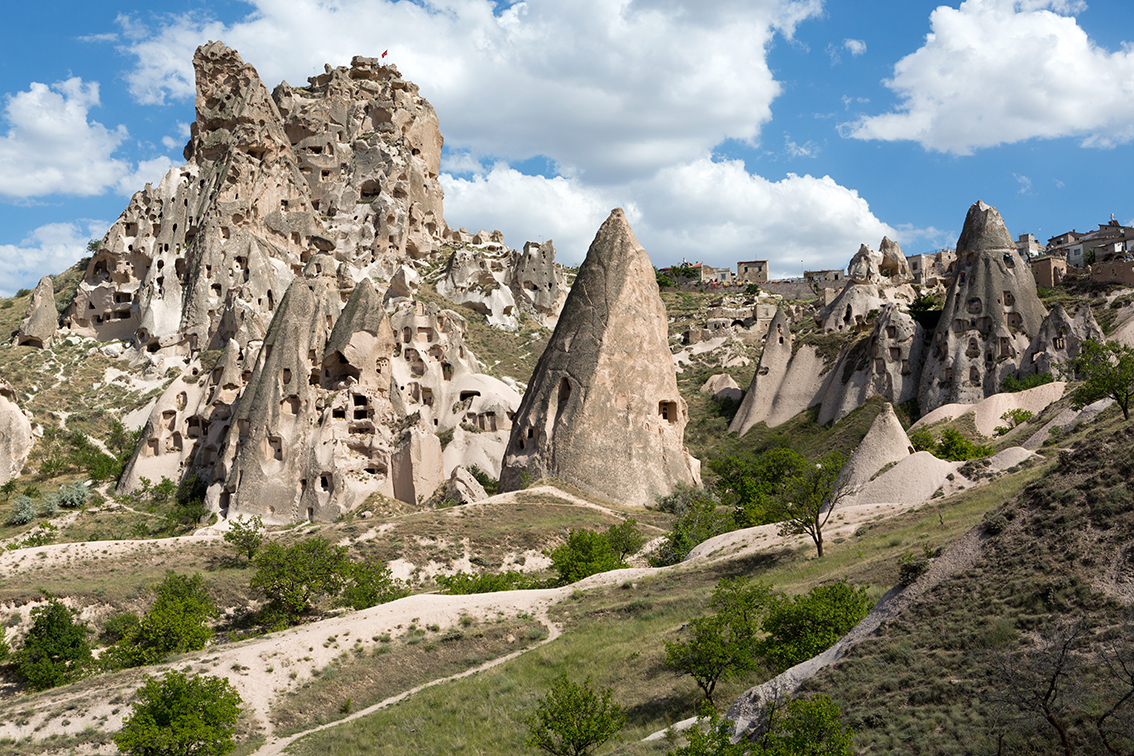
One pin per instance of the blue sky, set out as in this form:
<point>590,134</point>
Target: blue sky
<point>791,130</point>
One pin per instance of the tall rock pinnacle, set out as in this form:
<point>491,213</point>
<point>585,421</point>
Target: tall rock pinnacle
<point>990,317</point>
<point>602,411</point>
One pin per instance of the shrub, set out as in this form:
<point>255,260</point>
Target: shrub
<point>954,446</point>
<point>24,510</point>
<point>625,538</point>
<point>55,650</point>
<point>698,519</point>
<point>922,440</point>
<point>74,496</point>
<point>801,627</point>
<point>995,524</point>
<point>490,484</point>
<point>292,577</point>
<point>573,720</point>
<point>178,715</point>
<point>1011,384</point>
<point>177,622</point>
<point>372,584</point>
<point>119,626</point>
<point>911,567</point>
<point>586,552</point>
<point>466,583</point>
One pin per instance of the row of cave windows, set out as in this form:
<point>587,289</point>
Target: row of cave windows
<point>984,323</point>
<point>975,305</point>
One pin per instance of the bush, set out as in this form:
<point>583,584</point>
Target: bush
<point>698,519</point>
<point>74,496</point>
<point>178,715</point>
<point>911,567</point>
<point>490,484</point>
<point>573,720</point>
<point>24,510</point>
<point>177,622</point>
<point>55,650</point>
<point>625,538</point>
<point>804,626</point>
<point>922,440</point>
<point>372,584</point>
<point>954,446</point>
<point>119,627</point>
<point>586,552</point>
<point>292,577</point>
<point>1011,384</point>
<point>466,583</point>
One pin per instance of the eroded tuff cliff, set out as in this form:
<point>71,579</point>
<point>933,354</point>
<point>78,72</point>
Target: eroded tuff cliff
<point>347,165</point>
<point>602,411</point>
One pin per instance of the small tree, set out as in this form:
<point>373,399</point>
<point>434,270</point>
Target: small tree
<point>178,715</point>
<point>808,499</point>
<point>55,650</point>
<point>802,627</point>
<point>573,720</point>
<point>177,622</point>
<point>812,726</point>
<point>292,577</point>
<point>625,539</point>
<point>245,535</point>
<point>1107,371</point>
<point>371,584</point>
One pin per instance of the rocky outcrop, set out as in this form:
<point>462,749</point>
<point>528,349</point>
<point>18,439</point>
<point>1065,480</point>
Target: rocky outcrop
<point>888,364</point>
<point>16,437</point>
<point>722,388</point>
<point>990,317</point>
<point>769,376</point>
<point>538,283</point>
<point>602,411</point>
<point>41,320</point>
<point>853,306</point>
<point>346,165</point>
<point>1058,340</point>
<point>887,265</point>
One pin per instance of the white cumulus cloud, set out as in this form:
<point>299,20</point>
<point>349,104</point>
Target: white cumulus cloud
<point>47,250</point>
<point>1002,71</point>
<point>51,146</point>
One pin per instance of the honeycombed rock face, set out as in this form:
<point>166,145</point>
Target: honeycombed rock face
<point>42,318</point>
<point>1059,339</point>
<point>346,165</point>
<point>990,317</point>
<point>602,411</point>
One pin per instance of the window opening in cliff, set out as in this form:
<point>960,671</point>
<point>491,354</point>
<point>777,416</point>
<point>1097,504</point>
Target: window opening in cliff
<point>668,411</point>
<point>275,446</point>
<point>369,191</point>
<point>905,367</point>
<point>467,395</point>
<point>285,376</point>
<point>425,334</point>
<point>291,405</point>
<point>984,324</point>
<point>879,365</point>
<point>324,175</point>
<point>311,514</point>
<point>243,426</point>
<point>216,289</point>
<point>407,336</point>
<point>427,397</point>
<point>325,482</point>
<point>975,305</point>
<point>313,378</point>
<point>123,315</point>
<point>846,317</point>
<point>123,297</point>
<point>1058,343</point>
<point>948,373</point>
<point>895,354</point>
<point>974,374</point>
<point>1010,259</point>
<point>1005,347</point>
<point>1014,320</point>
<point>153,346</point>
<point>339,413</point>
<point>152,447</point>
<point>446,371</point>
<point>1009,299</point>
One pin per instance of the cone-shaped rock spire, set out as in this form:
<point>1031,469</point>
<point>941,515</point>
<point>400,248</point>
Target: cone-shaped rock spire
<point>602,411</point>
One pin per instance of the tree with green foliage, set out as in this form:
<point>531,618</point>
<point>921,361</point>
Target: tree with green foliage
<point>1107,371</point>
<point>809,497</point>
<point>573,720</point>
<point>371,584</point>
<point>810,726</point>
<point>804,626</point>
<point>625,538</point>
<point>698,519</point>
<point>291,578</point>
<point>586,552</point>
<point>722,645</point>
<point>177,622</point>
<point>753,484</point>
<point>181,715</point>
<point>55,650</point>
<point>246,535</point>
<point>956,447</point>
<point>922,440</point>
<point>1011,384</point>
<point>24,510</point>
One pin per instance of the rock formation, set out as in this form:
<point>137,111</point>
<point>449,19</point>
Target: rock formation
<point>602,411</point>
<point>886,443</point>
<point>16,437</point>
<point>1058,340</point>
<point>538,283</point>
<point>348,164</point>
<point>722,388</point>
<point>766,381</point>
<point>853,305</point>
<point>888,364</point>
<point>990,317</point>
<point>42,318</point>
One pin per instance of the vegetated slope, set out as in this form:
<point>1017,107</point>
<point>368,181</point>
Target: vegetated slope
<point>1020,646</point>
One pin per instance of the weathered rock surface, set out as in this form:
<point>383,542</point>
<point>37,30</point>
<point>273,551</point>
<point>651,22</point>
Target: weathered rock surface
<point>1059,339</point>
<point>888,364</point>
<point>852,306</point>
<point>784,383</point>
<point>990,317</point>
<point>722,388</point>
<point>41,320</point>
<point>346,165</point>
<point>538,283</point>
<point>16,437</point>
<point>602,411</point>
<point>885,443</point>
<point>463,488</point>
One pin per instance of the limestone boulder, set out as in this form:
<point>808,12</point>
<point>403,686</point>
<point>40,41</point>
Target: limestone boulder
<point>403,284</point>
<point>16,438</point>
<point>602,411</point>
<point>863,267</point>
<point>991,316</point>
<point>417,467</point>
<point>39,324</point>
